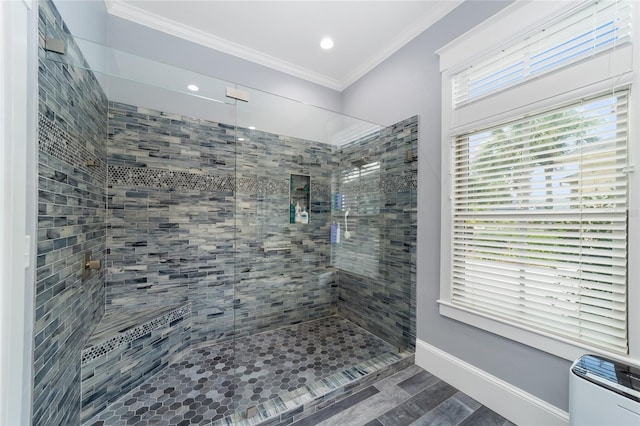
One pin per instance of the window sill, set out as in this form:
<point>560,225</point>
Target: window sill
<point>534,338</point>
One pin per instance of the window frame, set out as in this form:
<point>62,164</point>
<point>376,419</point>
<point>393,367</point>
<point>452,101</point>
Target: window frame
<point>606,72</point>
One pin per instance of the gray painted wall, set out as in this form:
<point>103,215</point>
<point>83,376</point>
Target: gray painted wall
<point>406,84</point>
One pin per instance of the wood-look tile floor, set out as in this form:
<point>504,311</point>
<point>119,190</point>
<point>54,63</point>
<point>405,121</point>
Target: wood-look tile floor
<point>412,396</point>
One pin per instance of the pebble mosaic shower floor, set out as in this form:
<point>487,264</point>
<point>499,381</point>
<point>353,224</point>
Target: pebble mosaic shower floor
<point>274,371</point>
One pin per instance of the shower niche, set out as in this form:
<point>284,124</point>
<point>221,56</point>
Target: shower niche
<point>299,198</point>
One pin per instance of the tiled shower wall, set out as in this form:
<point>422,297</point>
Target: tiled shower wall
<point>376,265</point>
<point>71,221</point>
<point>194,216</point>
<point>187,222</point>
<point>281,287</point>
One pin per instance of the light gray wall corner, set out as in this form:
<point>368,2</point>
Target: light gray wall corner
<point>85,19</point>
<point>143,41</point>
<point>406,84</point>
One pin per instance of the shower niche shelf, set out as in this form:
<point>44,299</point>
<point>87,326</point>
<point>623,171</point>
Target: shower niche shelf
<point>299,198</point>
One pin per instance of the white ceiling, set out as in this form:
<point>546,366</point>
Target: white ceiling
<point>285,35</point>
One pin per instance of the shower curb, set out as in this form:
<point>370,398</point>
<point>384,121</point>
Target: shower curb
<point>308,399</point>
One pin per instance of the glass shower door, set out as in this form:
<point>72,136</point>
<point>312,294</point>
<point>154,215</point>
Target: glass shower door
<point>167,164</point>
<point>289,337</point>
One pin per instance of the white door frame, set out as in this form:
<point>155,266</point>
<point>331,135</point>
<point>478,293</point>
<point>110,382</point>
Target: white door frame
<point>18,96</point>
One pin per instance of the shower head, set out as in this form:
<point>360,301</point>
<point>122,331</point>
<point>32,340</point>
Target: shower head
<point>361,162</point>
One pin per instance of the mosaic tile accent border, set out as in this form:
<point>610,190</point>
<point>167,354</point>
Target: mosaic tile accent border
<point>305,396</point>
<point>96,351</point>
<point>56,142</point>
<point>262,186</point>
<point>170,179</point>
<point>402,183</point>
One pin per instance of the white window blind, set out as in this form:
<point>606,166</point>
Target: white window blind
<point>539,210</point>
<point>598,27</point>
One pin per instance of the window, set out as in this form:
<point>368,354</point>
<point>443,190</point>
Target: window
<point>540,221</point>
<point>535,205</point>
<point>593,28</point>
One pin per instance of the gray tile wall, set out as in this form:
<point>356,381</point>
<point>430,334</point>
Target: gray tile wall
<point>276,288</point>
<point>71,221</point>
<point>376,266</point>
<point>191,230</point>
<point>190,211</point>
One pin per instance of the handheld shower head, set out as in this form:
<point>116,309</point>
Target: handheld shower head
<point>347,234</point>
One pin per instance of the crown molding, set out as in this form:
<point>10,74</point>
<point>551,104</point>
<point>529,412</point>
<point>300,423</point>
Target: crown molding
<point>157,22</point>
<point>125,10</point>
<point>440,10</point>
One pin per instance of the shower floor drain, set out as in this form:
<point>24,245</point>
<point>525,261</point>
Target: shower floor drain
<point>217,381</point>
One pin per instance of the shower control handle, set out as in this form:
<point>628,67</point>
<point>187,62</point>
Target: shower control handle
<point>88,265</point>
<point>92,264</point>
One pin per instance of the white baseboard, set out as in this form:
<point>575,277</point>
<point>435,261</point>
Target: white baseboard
<point>504,398</point>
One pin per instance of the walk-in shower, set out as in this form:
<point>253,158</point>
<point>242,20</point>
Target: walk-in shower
<point>212,303</point>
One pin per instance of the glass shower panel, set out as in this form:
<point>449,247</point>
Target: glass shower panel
<point>131,78</point>
<point>374,215</point>
<point>287,160</point>
<point>169,164</point>
<point>285,154</point>
<point>294,280</point>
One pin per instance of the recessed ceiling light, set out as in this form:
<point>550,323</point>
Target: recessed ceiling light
<point>193,87</point>
<point>326,43</point>
<point>241,139</point>
<point>252,127</point>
